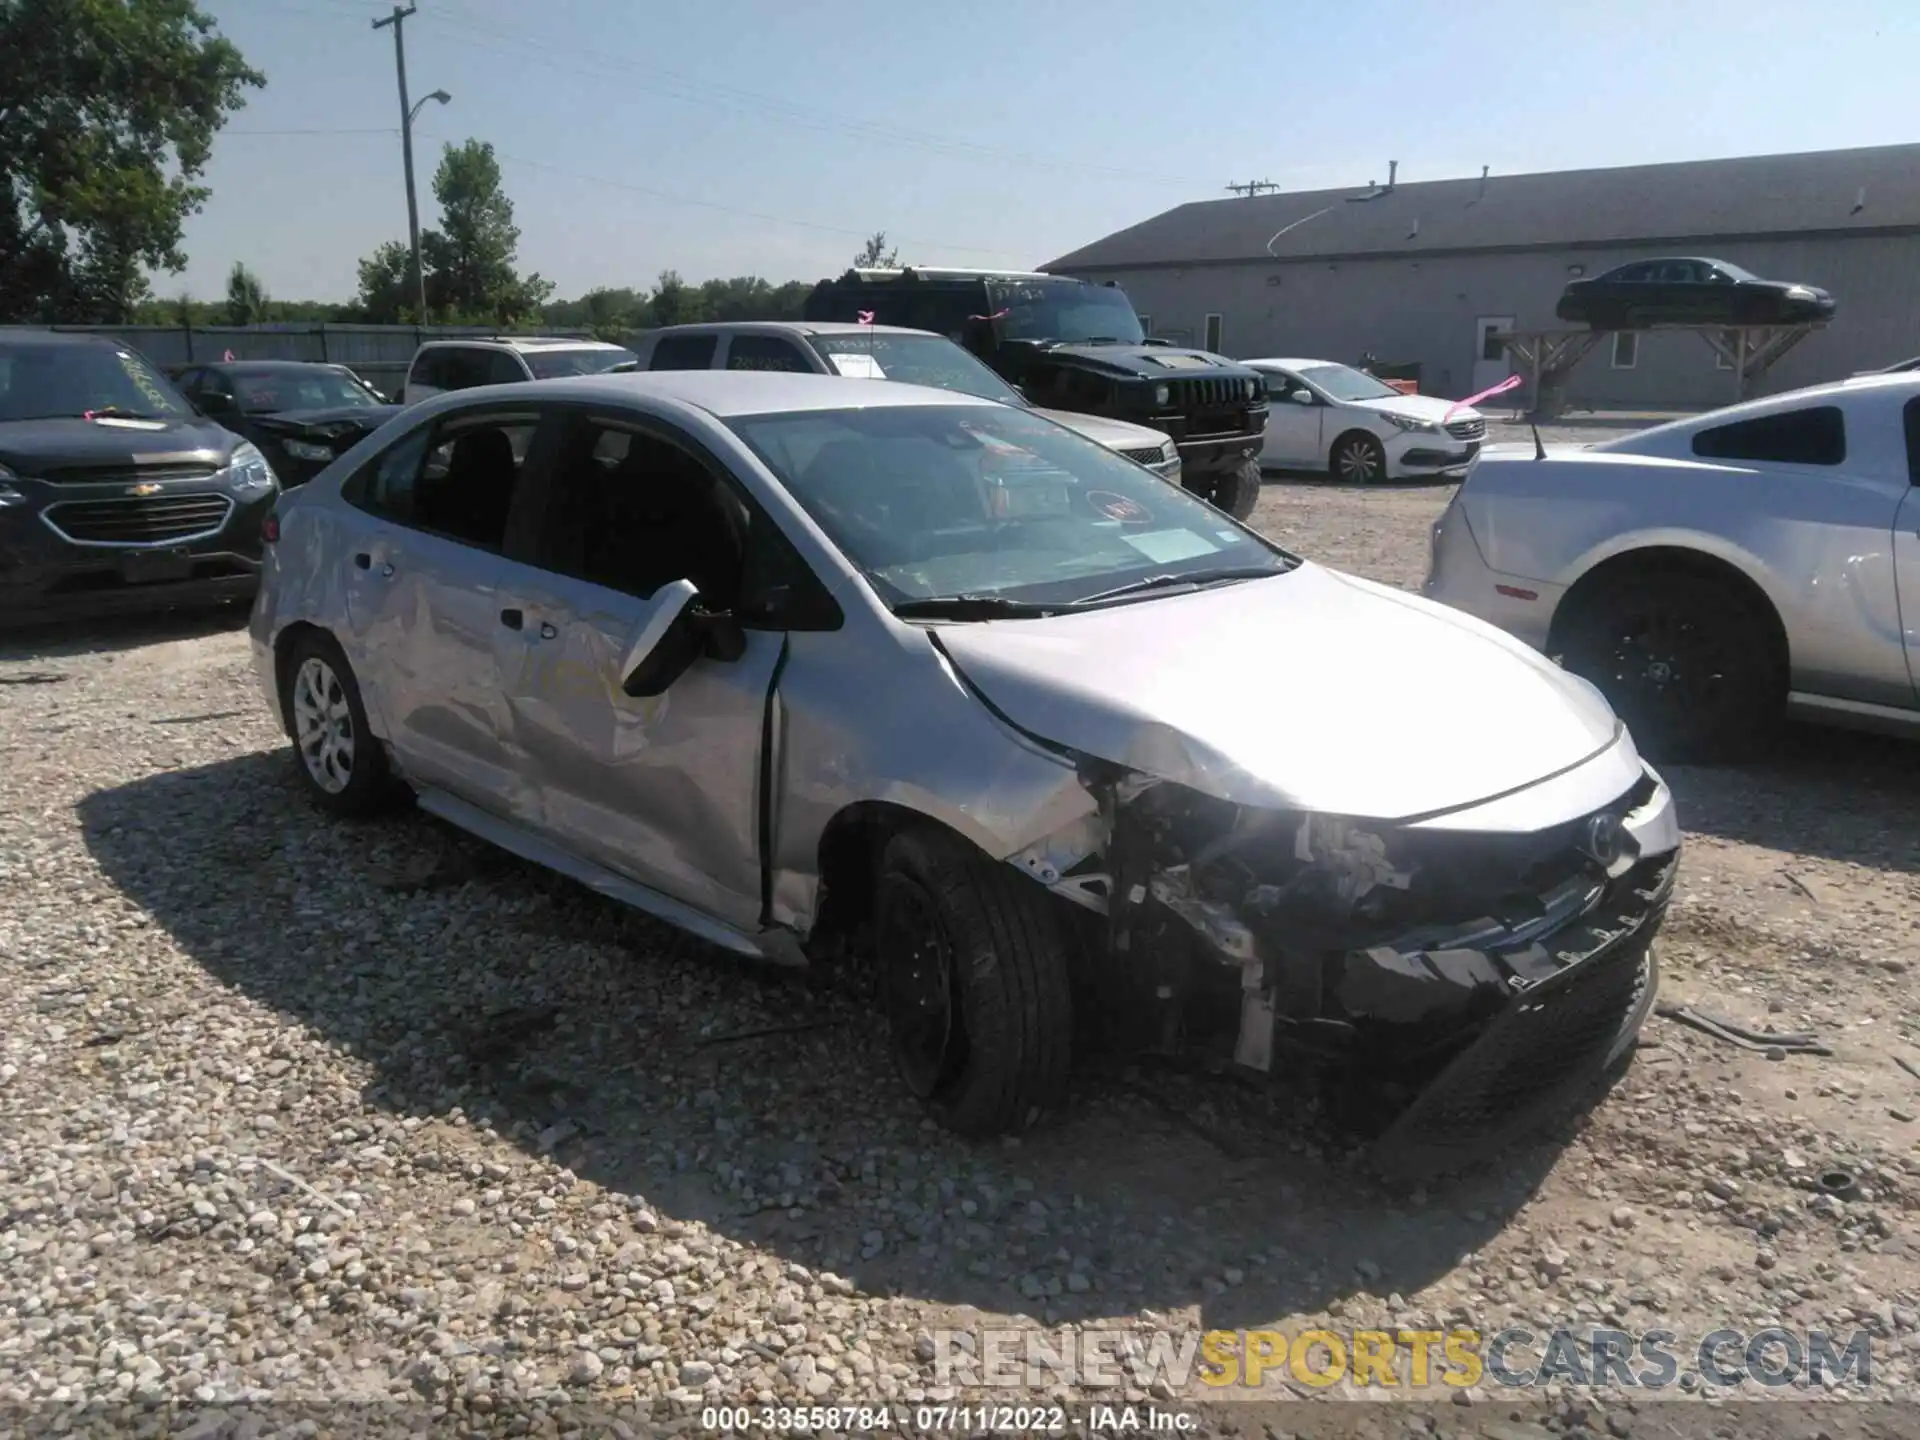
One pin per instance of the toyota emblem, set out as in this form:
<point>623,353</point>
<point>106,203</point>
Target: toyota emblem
<point>1603,839</point>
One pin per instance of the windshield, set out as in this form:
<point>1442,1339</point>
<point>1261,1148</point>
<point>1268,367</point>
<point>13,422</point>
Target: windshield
<point>1343,382</point>
<point>557,364</point>
<point>1068,310</point>
<point>917,360</point>
<point>47,382</point>
<point>964,500</point>
<point>261,392</point>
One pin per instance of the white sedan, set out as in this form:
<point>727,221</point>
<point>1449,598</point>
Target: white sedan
<point>1322,415</point>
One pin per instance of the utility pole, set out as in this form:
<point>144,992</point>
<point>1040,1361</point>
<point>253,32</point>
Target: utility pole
<point>1252,188</point>
<point>397,20</point>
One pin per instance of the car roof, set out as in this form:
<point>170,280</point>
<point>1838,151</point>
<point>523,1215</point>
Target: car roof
<point>728,394</point>
<point>524,342</point>
<point>29,336</point>
<point>272,367</point>
<point>953,272</point>
<point>1291,364</point>
<point>785,327</point>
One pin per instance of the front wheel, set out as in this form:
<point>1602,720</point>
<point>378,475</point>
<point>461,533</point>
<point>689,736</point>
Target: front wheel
<point>1235,491</point>
<point>974,984</point>
<point>1358,458</point>
<point>1690,663</point>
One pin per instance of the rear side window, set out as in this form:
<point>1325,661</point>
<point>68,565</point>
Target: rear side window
<point>426,370</point>
<point>504,369</point>
<point>1813,436</point>
<point>1912,414</point>
<point>684,352</point>
<point>765,352</point>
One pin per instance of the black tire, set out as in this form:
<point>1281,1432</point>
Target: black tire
<point>955,929</point>
<point>316,681</point>
<point>1235,491</point>
<point>1690,662</point>
<point>1357,458</point>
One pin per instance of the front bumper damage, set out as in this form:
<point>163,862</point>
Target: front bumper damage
<point>1457,988</point>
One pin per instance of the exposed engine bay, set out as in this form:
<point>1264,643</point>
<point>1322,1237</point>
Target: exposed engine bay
<point>1393,954</point>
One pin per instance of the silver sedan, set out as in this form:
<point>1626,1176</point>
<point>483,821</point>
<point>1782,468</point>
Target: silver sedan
<point>1716,574</point>
<point>816,668</point>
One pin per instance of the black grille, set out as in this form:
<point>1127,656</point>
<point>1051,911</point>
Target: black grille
<point>1468,429</point>
<point>1148,456</point>
<point>1191,395</point>
<point>120,473</point>
<point>150,520</point>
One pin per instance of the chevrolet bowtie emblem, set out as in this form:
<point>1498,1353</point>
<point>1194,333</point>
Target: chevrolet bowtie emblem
<point>147,489</point>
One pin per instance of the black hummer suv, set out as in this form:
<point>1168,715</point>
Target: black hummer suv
<point>1073,345</point>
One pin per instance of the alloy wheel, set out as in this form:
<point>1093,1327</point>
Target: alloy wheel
<point>323,725</point>
<point>1358,461</point>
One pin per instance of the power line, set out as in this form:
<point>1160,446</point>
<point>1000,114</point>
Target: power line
<point>730,97</point>
<point>664,195</point>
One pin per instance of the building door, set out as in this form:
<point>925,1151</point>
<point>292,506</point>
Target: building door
<point>1491,363</point>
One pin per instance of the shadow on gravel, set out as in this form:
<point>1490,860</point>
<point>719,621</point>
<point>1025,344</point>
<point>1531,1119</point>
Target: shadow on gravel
<point>1321,480</point>
<point>759,1103</point>
<point>1823,792</point>
<point>57,639</point>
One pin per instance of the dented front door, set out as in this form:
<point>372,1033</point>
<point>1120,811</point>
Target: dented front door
<point>664,790</point>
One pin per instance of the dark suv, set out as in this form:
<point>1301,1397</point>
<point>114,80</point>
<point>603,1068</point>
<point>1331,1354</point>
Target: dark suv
<point>1073,345</point>
<point>114,493</point>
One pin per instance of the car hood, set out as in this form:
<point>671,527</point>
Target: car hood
<point>1114,434</point>
<point>1312,690</point>
<point>1419,407</point>
<point>329,417</point>
<point>29,446</point>
<point>1152,362</point>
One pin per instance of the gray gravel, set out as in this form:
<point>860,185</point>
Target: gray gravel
<point>303,1111</point>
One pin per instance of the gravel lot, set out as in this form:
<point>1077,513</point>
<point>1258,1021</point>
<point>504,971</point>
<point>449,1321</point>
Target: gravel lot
<point>296,1111</point>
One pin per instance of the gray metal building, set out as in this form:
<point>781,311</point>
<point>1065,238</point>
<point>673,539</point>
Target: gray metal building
<point>1421,273</point>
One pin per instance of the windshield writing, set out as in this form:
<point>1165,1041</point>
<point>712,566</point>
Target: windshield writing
<point>978,501</point>
<point>261,394</point>
<point>1064,310</point>
<point>917,360</point>
<point>40,382</point>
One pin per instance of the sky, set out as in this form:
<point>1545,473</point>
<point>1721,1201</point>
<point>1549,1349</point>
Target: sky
<point>768,137</point>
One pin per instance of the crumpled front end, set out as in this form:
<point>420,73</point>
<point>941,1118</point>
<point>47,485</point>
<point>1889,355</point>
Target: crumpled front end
<point>1464,982</point>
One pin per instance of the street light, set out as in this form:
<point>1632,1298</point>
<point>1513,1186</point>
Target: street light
<point>413,208</point>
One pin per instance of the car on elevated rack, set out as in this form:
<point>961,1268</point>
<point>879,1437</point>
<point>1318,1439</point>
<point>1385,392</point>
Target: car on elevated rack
<point>1689,290</point>
<point>300,414</point>
<point>881,352</point>
<point>115,494</point>
<point>834,671</point>
<point>1322,415</point>
<point>1715,574</point>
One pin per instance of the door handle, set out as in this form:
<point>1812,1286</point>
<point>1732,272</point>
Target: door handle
<point>547,632</point>
<point>512,619</point>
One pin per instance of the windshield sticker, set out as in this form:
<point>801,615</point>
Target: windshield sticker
<point>858,367</point>
<point>1165,546</point>
<point>1118,507</point>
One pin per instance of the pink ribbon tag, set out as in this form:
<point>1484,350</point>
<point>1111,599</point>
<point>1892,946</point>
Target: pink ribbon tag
<point>229,355</point>
<point>997,315</point>
<point>1512,382</point>
<point>865,317</point>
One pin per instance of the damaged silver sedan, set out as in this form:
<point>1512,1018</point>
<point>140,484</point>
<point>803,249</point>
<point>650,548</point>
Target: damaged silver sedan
<point>829,672</point>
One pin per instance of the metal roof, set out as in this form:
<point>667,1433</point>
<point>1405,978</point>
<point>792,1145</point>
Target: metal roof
<point>1815,192</point>
<point>723,393</point>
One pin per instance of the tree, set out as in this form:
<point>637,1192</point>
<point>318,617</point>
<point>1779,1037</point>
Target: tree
<point>246,297</point>
<point>874,255</point>
<point>469,260</point>
<point>107,116</point>
<point>386,287</point>
<point>674,302</point>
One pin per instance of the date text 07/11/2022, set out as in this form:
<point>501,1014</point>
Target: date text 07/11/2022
<point>943,1419</point>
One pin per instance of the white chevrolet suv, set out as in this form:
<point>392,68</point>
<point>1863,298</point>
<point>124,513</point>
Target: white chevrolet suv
<point>441,365</point>
<point>882,352</point>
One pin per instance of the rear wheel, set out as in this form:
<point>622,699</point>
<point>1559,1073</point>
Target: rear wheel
<point>1358,458</point>
<point>974,983</point>
<point>1690,662</point>
<point>340,763</point>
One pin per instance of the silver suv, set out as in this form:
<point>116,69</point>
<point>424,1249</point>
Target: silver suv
<point>442,365</point>
<point>882,352</point>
